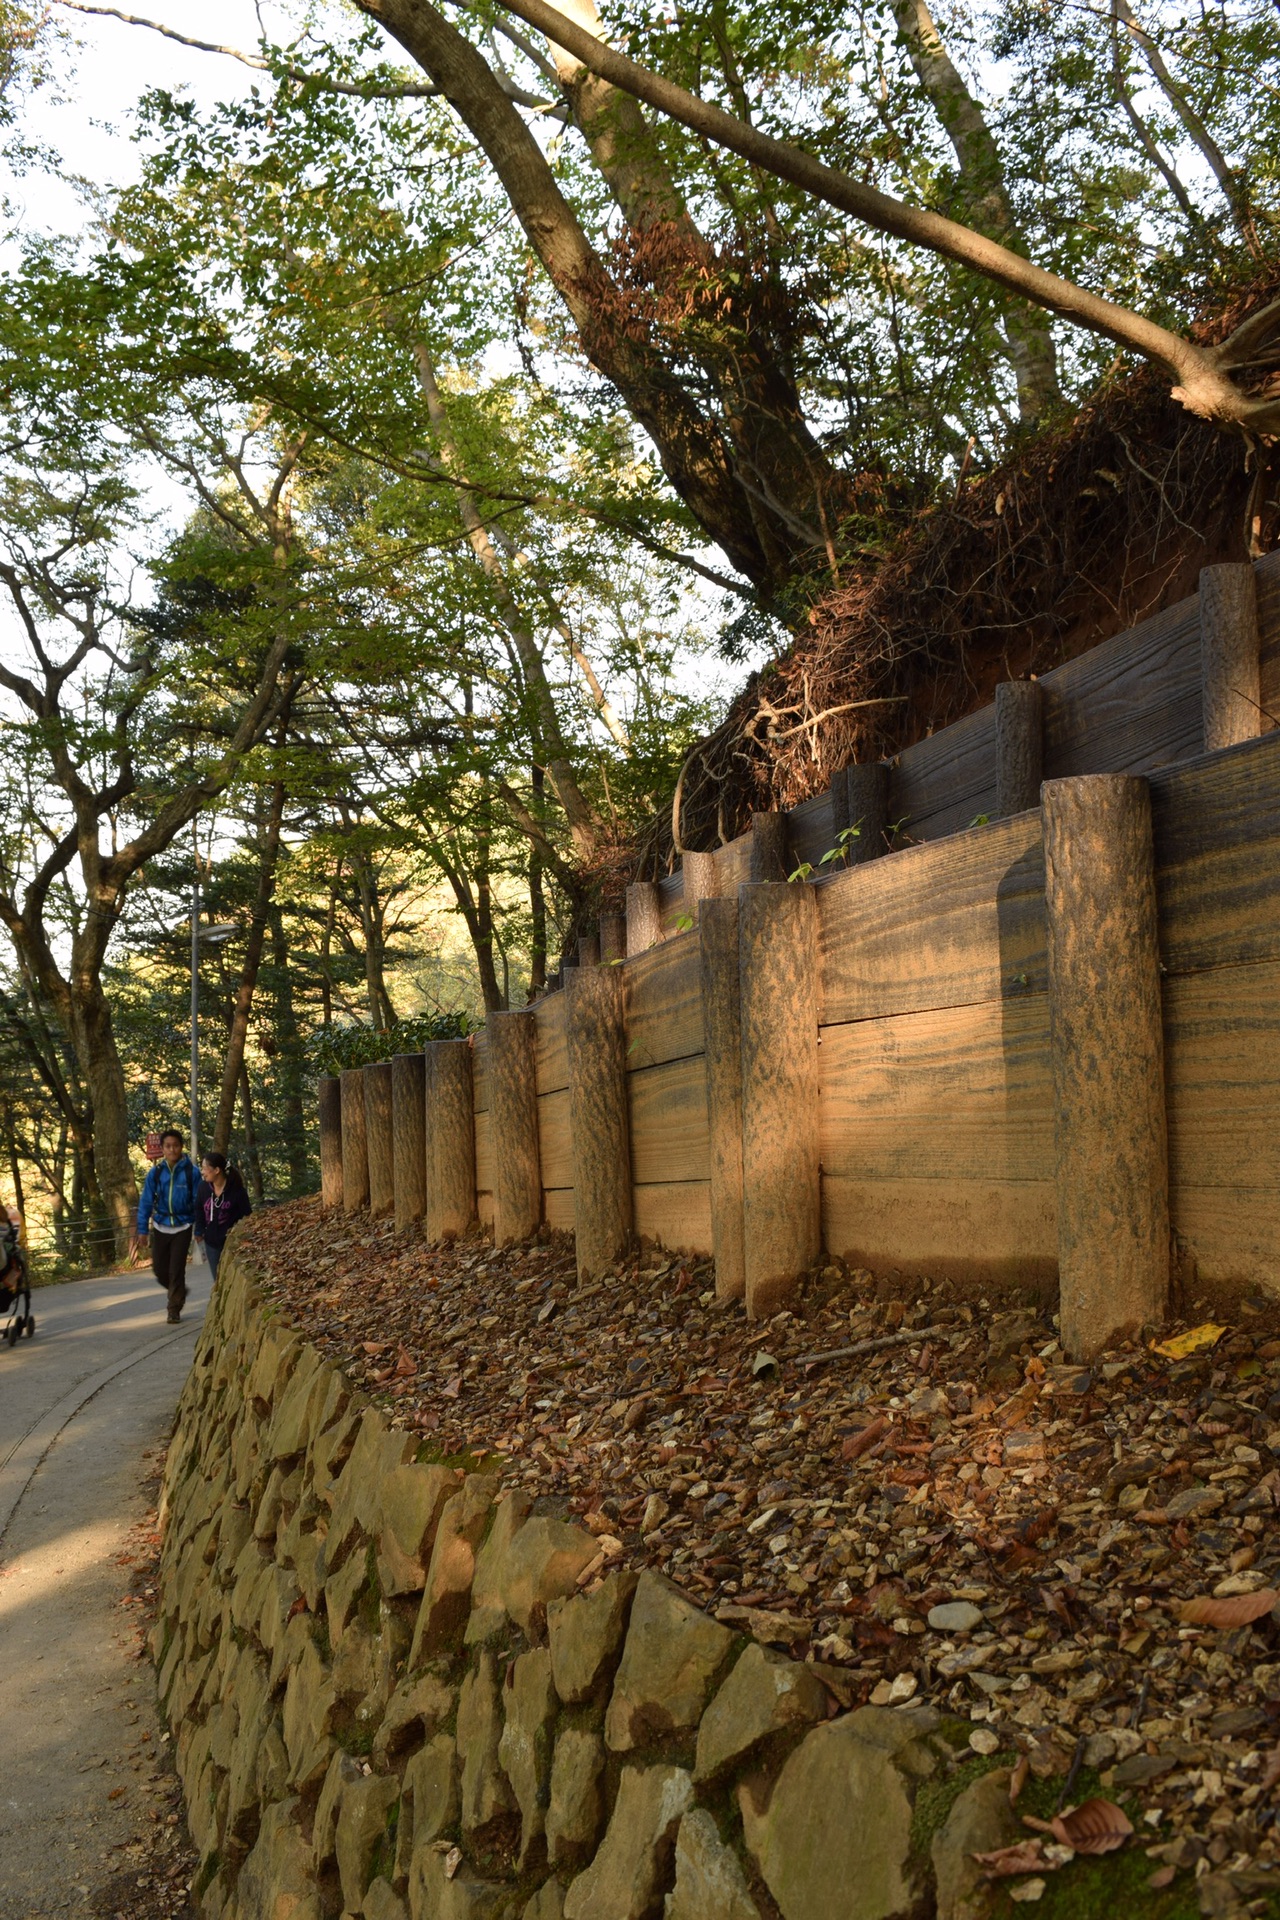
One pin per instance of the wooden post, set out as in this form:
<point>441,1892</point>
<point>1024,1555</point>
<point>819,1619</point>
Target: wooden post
<point>595,1029</point>
<point>451,1140</point>
<point>330,1092</point>
<point>701,881</point>
<point>380,1136</point>
<point>644,916</point>
<point>589,950</point>
<point>722,1030</point>
<point>1019,746</point>
<point>613,938</point>
<point>1231,686</point>
<point>355,1143</point>
<point>513,1117</point>
<point>1108,1059</point>
<point>868,810</point>
<point>408,1137</point>
<point>770,847</point>
<point>782,1198</point>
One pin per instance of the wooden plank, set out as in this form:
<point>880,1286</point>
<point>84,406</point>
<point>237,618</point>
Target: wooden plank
<point>664,1003</point>
<point>484,1154</point>
<point>555,1139</point>
<point>1217,841</point>
<point>939,784</point>
<point>956,1094</point>
<point>677,1214</point>
<point>1231,1233</point>
<point>1130,704</point>
<point>937,925</point>
<point>557,1209</point>
<point>484,1211</point>
<point>480,1072</point>
<point>1222,1078</point>
<point>551,1057</point>
<point>669,1134</point>
<point>1268,576</point>
<point>1004,1233</point>
<point>809,829</point>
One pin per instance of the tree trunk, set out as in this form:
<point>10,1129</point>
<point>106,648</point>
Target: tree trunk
<point>291,1058</point>
<point>252,1161</point>
<point>986,196</point>
<point>94,1040</point>
<point>242,1005</point>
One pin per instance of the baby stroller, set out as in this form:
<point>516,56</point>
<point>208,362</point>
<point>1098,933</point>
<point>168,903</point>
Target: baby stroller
<point>15,1286</point>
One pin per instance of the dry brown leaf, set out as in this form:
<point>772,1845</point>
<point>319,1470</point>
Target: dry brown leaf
<point>1095,1826</point>
<point>1024,1856</point>
<point>1241,1610</point>
<point>857,1443</point>
<point>1018,1779</point>
<point>1162,1877</point>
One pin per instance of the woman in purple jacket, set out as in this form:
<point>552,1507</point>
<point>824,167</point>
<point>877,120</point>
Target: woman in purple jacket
<point>220,1201</point>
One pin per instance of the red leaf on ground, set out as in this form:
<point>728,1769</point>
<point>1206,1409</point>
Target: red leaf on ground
<point>857,1443</point>
<point>1095,1826</point>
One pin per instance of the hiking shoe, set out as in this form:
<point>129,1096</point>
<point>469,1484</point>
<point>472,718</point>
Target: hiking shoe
<point>175,1314</point>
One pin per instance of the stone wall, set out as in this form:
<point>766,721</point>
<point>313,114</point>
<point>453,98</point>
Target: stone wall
<point>396,1689</point>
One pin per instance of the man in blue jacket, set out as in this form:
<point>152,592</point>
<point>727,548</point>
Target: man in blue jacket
<point>166,1214</point>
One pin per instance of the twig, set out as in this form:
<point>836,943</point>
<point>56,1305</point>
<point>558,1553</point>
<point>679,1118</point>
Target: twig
<point>1077,1761</point>
<point>878,1345</point>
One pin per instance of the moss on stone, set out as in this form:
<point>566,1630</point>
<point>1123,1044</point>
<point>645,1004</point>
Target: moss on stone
<point>935,1799</point>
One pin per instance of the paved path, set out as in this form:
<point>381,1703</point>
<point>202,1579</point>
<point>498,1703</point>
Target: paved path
<point>85,1409</point>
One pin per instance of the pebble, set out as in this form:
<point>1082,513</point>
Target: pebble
<point>983,1740</point>
<point>955,1616</point>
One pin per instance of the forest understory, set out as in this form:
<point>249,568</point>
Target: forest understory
<point>903,1483</point>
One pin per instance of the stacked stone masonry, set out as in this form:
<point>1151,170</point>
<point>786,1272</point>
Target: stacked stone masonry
<point>397,1690</point>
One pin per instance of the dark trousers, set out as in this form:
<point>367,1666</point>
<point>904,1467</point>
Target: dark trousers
<point>169,1264</point>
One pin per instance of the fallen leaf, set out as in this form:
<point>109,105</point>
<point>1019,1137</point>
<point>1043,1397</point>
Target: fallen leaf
<point>763,1363</point>
<point>1239,1610</point>
<point>1193,1341</point>
<point>1162,1877</point>
<point>1003,1863</point>
<point>1095,1826</point>
<point>857,1443</point>
<point>453,1389</point>
<point>1018,1779</point>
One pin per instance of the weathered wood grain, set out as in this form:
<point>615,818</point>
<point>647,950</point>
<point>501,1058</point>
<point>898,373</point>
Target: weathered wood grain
<point>557,1209</point>
<point>668,1114</point>
<point>555,1138</point>
<point>1130,703</point>
<point>938,785</point>
<point>484,1154</point>
<point>664,1003</point>
<point>960,1093</point>
<point>480,1071</point>
<point>1231,1233</point>
<point>937,925</point>
<point>1216,827</point>
<point>484,1211</point>
<point>551,1058</point>
<point>1222,1071</point>
<point>1004,1233</point>
<point>677,1214</point>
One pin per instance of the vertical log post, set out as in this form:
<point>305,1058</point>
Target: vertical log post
<point>330,1092</point>
<point>451,1140</point>
<point>701,881</point>
<point>1019,746</point>
<point>513,1117</point>
<point>595,1029</point>
<point>722,1030</point>
<point>355,1142</point>
<point>1231,686</point>
<point>770,847</point>
<point>782,1198</point>
<point>1108,1059</point>
<point>380,1136</point>
<point>408,1137</point>
<point>644,916</point>
<point>613,938</point>
<point>868,811</point>
<point>589,950</point>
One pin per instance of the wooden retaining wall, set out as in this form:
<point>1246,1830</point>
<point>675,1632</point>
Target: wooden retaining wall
<point>975,996</point>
